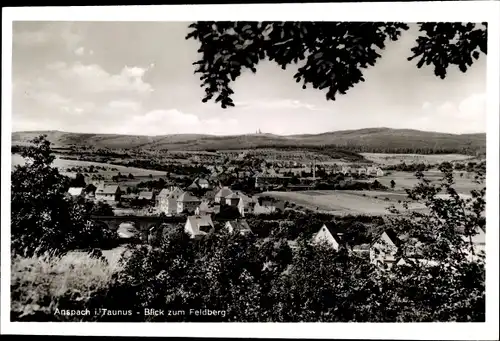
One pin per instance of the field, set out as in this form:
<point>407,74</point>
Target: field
<point>368,202</point>
<point>342,202</point>
<point>406,180</point>
<point>138,173</point>
<point>394,159</point>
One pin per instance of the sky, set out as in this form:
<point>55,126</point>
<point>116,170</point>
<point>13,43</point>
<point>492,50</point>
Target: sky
<point>137,78</point>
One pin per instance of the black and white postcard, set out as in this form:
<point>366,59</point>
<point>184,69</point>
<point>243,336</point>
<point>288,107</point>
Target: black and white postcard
<point>194,168</point>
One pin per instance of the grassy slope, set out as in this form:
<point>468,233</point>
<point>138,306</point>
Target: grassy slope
<point>374,137</point>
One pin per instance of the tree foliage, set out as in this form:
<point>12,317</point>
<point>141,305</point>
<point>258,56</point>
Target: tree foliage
<point>43,217</point>
<point>332,55</point>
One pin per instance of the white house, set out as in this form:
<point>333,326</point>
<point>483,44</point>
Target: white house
<point>233,199</point>
<point>206,209</point>
<point>362,170</point>
<point>187,202</point>
<point>328,234</point>
<point>199,226</point>
<point>224,192</point>
<point>346,170</point>
<point>76,191</point>
<point>268,206</point>
<point>166,200</point>
<point>245,205</point>
<point>200,183</point>
<point>108,193</point>
<point>241,226</point>
<point>384,249</point>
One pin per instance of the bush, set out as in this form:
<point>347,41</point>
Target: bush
<point>40,285</point>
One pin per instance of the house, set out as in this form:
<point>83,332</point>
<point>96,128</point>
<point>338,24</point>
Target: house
<point>266,206</point>
<point>245,205</point>
<point>146,195</point>
<point>384,249</point>
<point>187,202</point>
<point>233,199</point>
<point>206,209</point>
<point>166,200</point>
<point>362,170</point>
<point>199,226</point>
<point>76,191</point>
<point>346,170</point>
<point>199,183</point>
<point>361,250</point>
<point>410,261</point>
<point>240,226</point>
<point>375,171</point>
<point>224,192</point>
<point>108,193</point>
<point>211,193</point>
<point>330,235</point>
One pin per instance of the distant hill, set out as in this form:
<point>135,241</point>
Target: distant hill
<point>363,140</point>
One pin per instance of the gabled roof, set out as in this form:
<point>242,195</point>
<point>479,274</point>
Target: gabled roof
<point>110,189</point>
<point>336,232</point>
<point>393,236</point>
<point>188,197</point>
<point>194,185</point>
<point>166,192</point>
<point>224,192</point>
<point>239,225</point>
<point>245,200</point>
<point>199,221</point>
<point>75,191</point>
<point>233,196</point>
<point>203,182</point>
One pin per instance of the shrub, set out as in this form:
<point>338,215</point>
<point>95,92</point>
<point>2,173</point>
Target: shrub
<point>40,285</point>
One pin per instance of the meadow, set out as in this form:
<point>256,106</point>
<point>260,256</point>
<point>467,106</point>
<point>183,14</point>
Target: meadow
<point>343,202</point>
<point>407,180</point>
<point>394,159</point>
<point>139,174</point>
<point>369,202</point>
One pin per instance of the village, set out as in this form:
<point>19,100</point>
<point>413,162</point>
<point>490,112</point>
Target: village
<point>220,196</point>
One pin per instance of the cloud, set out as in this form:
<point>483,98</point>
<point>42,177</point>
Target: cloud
<point>126,105</point>
<point>276,104</point>
<point>80,51</point>
<point>30,39</point>
<point>465,116</point>
<point>50,33</point>
<point>92,79</point>
<point>173,121</point>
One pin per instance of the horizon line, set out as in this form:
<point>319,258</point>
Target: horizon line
<point>255,133</point>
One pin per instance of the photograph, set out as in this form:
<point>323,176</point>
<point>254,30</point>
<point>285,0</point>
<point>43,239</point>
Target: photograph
<point>285,171</point>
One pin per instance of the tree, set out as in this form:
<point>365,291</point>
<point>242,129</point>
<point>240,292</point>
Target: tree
<point>130,176</point>
<point>78,181</point>
<point>90,188</point>
<point>102,209</point>
<point>44,218</point>
<point>393,183</point>
<point>333,54</point>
